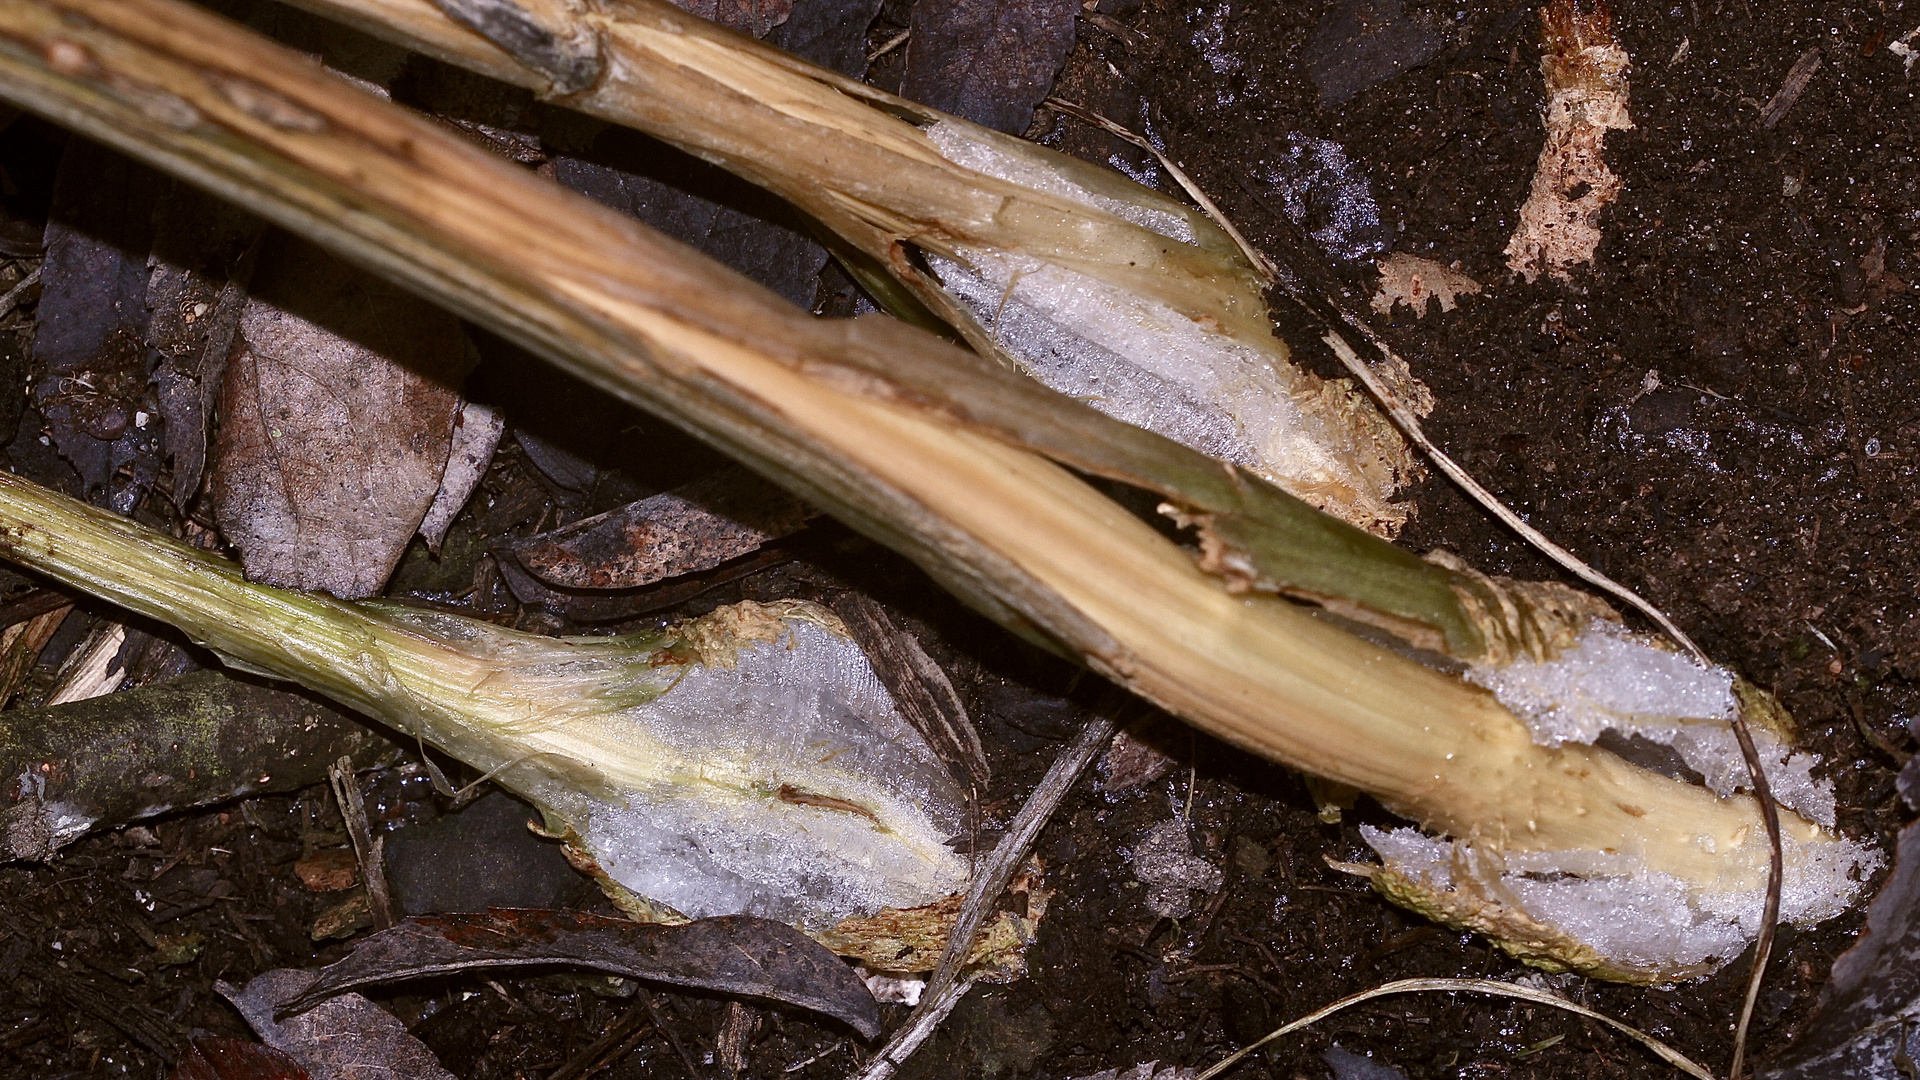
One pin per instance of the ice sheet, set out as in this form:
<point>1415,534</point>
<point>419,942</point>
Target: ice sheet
<point>1142,362</point>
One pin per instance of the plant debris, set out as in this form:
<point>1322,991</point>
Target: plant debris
<point>1418,283</point>
<point>342,1038</point>
<point>1586,74</point>
<point>1165,863</point>
<point>735,954</point>
<point>338,422</point>
<point>990,61</point>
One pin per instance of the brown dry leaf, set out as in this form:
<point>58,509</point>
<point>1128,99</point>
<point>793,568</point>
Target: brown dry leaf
<point>692,528</point>
<point>328,871</point>
<point>734,954</point>
<point>1417,283</point>
<point>337,419</point>
<point>476,435</point>
<point>1586,76</point>
<point>754,17</point>
<point>342,1038</point>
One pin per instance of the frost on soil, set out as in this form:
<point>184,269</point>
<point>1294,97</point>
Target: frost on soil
<point>1586,76</point>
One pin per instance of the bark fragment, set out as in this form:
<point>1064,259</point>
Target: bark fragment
<point>195,740</point>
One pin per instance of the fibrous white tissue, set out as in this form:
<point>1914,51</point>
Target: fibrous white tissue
<point>715,834</point>
<point>1140,360</point>
<point>1611,680</point>
<point>968,151</point>
<point>1632,915</point>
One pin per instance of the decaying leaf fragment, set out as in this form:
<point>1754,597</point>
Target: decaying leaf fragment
<point>1586,72</point>
<point>730,955</point>
<point>337,418</point>
<point>344,1038</point>
<point>1417,283</point>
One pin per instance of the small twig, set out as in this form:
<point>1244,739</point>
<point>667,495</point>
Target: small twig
<point>36,603</point>
<point>1011,851</point>
<point>679,1048</point>
<point>947,985</point>
<point>891,44</point>
<point>617,1042</point>
<point>1474,986</point>
<point>12,298</point>
<point>933,1009</point>
<point>368,849</point>
<point>920,688</point>
<point>1796,82</point>
<point>1254,255</point>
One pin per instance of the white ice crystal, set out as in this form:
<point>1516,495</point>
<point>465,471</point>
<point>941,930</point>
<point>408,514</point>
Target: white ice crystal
<point>1612,680</point>
<point>1147,359</point>
<point>967,150</point>
<point>1145,363</point>
<point>1634,916</point>
<point>767,785</point>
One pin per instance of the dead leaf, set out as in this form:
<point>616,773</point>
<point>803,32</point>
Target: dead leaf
<point>214,1058</point>
<point>736,954</point>
<point>202,259</point>
<point>1138,756</point>
<point>328,871</point>
<point>989,61</point>
<point>337,419</point>
<point>736,224</point>
<point>1417,283</point>
<point>754,17</point>
<point>343,1038</point>
<point>476,435</point>
<point>88,346</point>
<point>691,528</point>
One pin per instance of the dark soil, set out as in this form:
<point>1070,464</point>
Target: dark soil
<point>1758,486</point>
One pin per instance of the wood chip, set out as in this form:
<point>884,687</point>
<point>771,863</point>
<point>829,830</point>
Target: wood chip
<point>1782,100</point>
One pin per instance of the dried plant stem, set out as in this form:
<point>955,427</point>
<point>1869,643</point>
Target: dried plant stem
<point>1471,986</point>
<point>922,446</point>
<point>1409,424</point>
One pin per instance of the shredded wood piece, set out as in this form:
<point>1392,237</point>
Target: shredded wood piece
<point>1586,74</point>
<point>1798,76</point>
